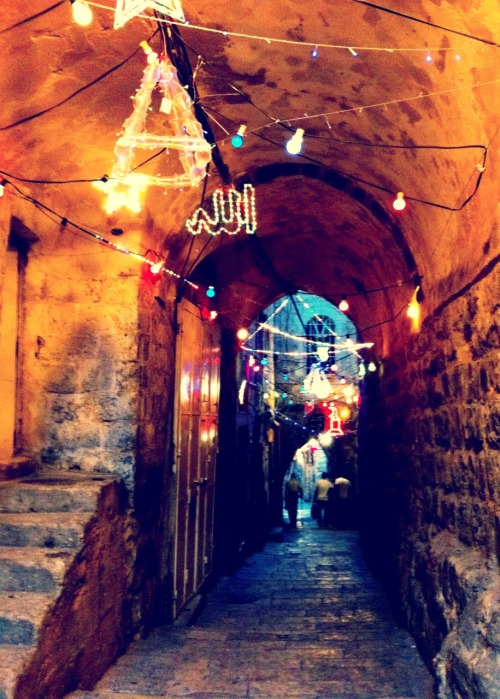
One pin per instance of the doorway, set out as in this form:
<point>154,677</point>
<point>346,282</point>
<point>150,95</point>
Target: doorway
<point>196,438</point>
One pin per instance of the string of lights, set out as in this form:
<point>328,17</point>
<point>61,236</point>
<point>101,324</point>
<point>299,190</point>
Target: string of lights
<point>278,40</point>
<point>66,221</point>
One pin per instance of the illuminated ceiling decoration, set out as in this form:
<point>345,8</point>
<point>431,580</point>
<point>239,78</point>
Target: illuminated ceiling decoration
<point>233,209</point>
<point>126,9</point>
<point>126,187</point>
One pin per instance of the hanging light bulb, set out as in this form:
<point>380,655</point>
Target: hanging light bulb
<point>314,52</point>
<point>372,366</point>
<point>399,202</point>
<point>413,310</point>
<point>82,13</point>
<point>157,267</point>
<point>239,137</point>
<point>322,352</point>
<point>294,145</point>
<point>343,305</point>
<point>242,334</point>
<point>210,292</point>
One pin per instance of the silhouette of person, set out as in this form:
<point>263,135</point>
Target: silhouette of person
<point>342,505</point>
<point>293,491</point>
<point>321,497</point>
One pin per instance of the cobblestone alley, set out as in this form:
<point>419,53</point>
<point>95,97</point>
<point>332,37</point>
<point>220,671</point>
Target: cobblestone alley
<point>302,618</point>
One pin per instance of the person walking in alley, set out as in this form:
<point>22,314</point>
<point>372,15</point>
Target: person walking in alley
<point>293,491</point>
<point>321,497</point>
<point>342,502</point>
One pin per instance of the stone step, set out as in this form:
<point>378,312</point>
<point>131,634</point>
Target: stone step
<point>86,694</point>
<point>21,615</point>
<point>54,492</point>
<point>43,530</point>
<point>13,659</point>
<point>33,569</point>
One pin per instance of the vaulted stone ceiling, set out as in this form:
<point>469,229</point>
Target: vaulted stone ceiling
<point>411,112</point>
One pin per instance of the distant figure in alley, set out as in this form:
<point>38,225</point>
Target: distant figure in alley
<point>322,498</point>
<point>293,491</point>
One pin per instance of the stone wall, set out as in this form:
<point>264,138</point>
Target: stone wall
<point>430,481</point>
<point>78,339</point>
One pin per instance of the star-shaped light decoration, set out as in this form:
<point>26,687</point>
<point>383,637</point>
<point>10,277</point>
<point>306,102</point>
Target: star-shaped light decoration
<point>125,187</point>
<point>126,9</point>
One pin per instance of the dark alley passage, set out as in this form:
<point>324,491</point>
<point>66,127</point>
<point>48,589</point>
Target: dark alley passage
<point>301,618</point>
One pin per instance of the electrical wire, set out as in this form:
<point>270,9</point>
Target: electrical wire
<point>32,17</point>
<point>381,188</point>
<point>97,80</point>
<point>427,23</point>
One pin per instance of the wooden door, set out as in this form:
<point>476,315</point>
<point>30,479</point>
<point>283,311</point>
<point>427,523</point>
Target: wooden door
<point>198,370</point>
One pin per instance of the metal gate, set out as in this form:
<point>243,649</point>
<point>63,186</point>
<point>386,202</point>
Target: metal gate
<point>197,396</point>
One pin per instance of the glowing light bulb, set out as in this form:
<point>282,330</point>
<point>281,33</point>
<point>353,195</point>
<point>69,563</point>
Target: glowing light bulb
<point>372,366</point>
<point>428,58</point>
<point>157,267</point>
<point>239,137</point>
<point>294,145</point>
<point>210,292</point>
<point>399,202</point>
<point>343,305</point>
<point>322,352</point>
<point>353,52</point>
<point>82,13</point>
<point>314,52</point>
<point>242,334</point>
<point>325,439</point>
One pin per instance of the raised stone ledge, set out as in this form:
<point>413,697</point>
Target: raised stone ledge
<point>16,467</point>
<point>470,653</point>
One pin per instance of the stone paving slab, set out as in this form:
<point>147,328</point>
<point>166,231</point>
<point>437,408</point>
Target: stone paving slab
<point>39,530</point>
<point>302,619</point>
<point>12,660</point>
<point>21,614</point>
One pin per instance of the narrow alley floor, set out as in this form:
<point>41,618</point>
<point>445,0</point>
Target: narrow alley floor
<point>302,618</point>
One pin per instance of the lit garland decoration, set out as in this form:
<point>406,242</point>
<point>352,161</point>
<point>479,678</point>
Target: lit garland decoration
<point>156,267</point>
<point>231,208</point>
<point>348,344</point>
<point>127,9</point>
<point>125,188</point>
